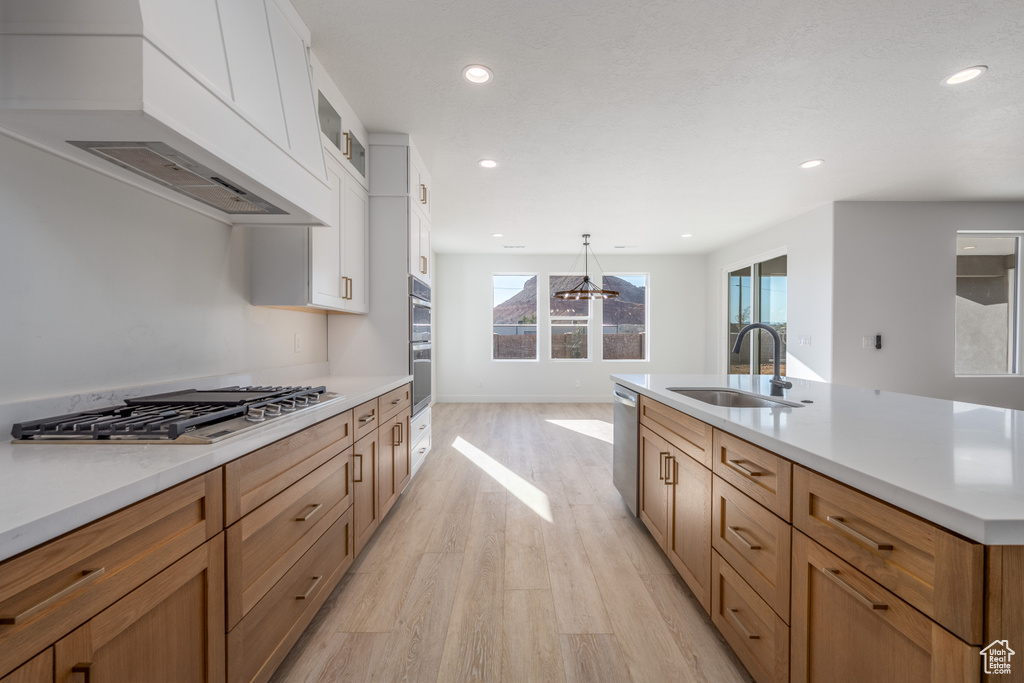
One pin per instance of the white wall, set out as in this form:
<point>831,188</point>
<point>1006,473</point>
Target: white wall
<point>807,241</point>
<point>462,325</point>
<point>895,275</point>
<point>103,286</point>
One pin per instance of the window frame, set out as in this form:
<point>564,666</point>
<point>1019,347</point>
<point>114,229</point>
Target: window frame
<point>647,318</point>
<point>1018,331</point>
<point>551,322</point>
<point>537,355</point>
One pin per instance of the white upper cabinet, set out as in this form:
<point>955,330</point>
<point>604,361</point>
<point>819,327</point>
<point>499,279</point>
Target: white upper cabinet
<point>419,243</point>
<point>355,252</point>
<point>419,182</point>
<point>342,136</point>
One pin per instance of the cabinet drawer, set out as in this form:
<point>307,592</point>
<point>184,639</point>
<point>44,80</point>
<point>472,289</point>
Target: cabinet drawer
<point>420,424</point>
<point>395,401</point>
<point>848,628</point>
<point>760,474</point>
<point>264,545</point>
<point>755,542</point>
<point>260,642</point>
<point>938,573</point>
<point>254,479</point>
<point>51,590</point>
<point>686,433</point>
<point>756,633</point>
<point>365,418</point>
<point>420,449</point>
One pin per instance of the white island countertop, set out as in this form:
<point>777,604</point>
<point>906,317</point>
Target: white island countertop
<point>48,489</point>
<point>959,465</point>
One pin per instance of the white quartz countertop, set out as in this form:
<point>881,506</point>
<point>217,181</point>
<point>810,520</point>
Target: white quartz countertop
<point>959,465</point>
<point>48,489</point>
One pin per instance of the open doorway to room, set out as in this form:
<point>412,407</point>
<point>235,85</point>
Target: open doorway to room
<point>757,293</point>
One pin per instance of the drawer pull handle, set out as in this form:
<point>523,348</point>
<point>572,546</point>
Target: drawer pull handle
<point>422,427</point>
<point>736,532</point>
<point>316,582</point>
<point>360,477</point>
<point>396,401</point>
<point>84,668</point>
<point>306,517</point>
<point>838,523</point>
<point>368,418</point>
<point>743,629</point>
<point>88,576</point>
<point>423,450</point>
<point>745,470</point>
<point>863,599</point>
<point>661,466</point>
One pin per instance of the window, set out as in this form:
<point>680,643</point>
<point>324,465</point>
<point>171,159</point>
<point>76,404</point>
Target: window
<point>987,304</point>
<point>570,321</point>
<point>757,294</point>
<point>624,325</point>
<point>514,334</point>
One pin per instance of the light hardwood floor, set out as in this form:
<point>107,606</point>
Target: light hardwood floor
<point>511,557</point>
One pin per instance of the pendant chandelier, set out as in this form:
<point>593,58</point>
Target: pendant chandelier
<point>585,289</point>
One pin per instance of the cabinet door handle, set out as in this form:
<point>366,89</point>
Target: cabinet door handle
<point>348,146</point>
<point>368,418</point>
<point>671,471</point>
<point>348,288</point>
<point>733,612</point>
<point>83,668</point>
<point>396,440</point>
<point>309,591</point>
<point>661,466</point>
<point>423,264</point>
<point>423,193</point>
<point>838,523</point>
<point>861,598</point>
<point>308,515</point>
<point>745,470</point>
<point>736,532</point>
<point>88,576</point>
<point>360,477</point>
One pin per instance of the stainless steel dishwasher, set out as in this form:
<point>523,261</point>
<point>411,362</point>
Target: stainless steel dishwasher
<point>624,453</point>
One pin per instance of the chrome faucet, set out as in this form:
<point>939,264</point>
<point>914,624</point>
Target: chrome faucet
<point>778,384</point>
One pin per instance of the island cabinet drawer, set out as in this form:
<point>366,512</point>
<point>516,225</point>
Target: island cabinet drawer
<point>264,544</point>
<point>395,401</point>
<point>51,590</point>
<point>755,542</point>
<point>760,474</point>
<point>756,633</point>
<point>686,433</point>
<point>257,477</point>
<point>366,418</point>
<point>935,571</point>
<point>260,642</point>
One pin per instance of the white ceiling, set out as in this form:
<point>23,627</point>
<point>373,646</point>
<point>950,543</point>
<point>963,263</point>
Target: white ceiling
<point>640,120</point>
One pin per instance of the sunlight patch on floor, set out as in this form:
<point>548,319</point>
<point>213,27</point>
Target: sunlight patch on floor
<point>531,496</point>
<point>599,429</point>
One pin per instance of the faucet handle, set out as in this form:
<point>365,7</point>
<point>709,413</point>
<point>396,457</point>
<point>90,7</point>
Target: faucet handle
<point>785,384</point>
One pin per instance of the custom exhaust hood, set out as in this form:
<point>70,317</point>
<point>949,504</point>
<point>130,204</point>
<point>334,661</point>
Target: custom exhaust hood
<point>209,104</point>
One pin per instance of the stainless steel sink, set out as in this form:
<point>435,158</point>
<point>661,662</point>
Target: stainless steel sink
<point>732,398</point>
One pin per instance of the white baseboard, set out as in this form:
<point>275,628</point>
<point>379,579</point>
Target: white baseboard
<point>539,398</point>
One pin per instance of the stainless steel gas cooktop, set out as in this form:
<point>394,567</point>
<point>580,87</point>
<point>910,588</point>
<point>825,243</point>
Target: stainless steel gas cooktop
<point>188,416</point>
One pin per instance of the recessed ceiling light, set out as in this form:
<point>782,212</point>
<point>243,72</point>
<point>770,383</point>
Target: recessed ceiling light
<point>965,75</point>
<point>687,235</point>
<point>488,163</point>
<point>496,234</point>
<point>477,73</point>
<point>811,163</point>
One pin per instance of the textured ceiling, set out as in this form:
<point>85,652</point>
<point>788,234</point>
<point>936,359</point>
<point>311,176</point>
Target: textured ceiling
<point>638,121</point>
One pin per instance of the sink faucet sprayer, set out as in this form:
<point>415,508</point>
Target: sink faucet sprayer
<point>778,384</point>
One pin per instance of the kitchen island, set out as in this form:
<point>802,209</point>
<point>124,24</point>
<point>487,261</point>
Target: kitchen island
<point>848,535</point>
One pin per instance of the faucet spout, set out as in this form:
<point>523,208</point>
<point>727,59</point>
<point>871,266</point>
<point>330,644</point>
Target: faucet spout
<point>778,384</point>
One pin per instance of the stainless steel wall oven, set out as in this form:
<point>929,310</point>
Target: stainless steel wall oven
<point>420,343</point>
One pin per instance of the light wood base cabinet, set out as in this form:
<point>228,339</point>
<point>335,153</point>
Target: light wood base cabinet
<point>170,629</point>
<point>847,628</point>
<point>38,670</point>
<point>675,505</point>
<point>365,505</point>
<point>395,464</point>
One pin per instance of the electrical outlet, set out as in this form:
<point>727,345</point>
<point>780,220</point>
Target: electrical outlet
<point>298,343</point>
<point>867,341</point>
<point>577,384</point>
<point>805,340</point>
